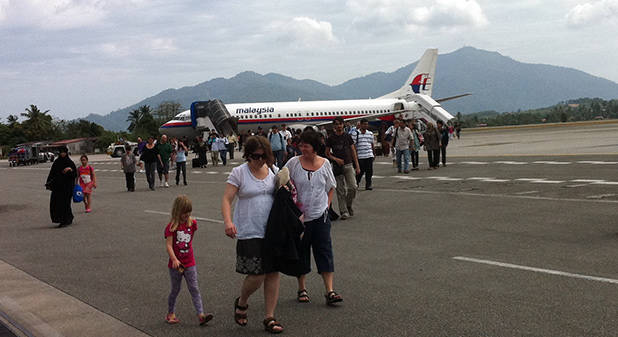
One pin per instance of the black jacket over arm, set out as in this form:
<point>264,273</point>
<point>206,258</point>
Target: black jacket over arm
<point>283,231</point>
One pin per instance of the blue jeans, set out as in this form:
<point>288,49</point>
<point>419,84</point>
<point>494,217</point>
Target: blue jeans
<point>406,159</point>
<point>223,154</point>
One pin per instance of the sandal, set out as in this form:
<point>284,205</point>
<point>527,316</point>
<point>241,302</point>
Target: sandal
<point>171,318</point>
<point>270,324</point>
<point>303,296</point>
<point>239,316</point>
<point>332,297</point>
<point>204,318</point>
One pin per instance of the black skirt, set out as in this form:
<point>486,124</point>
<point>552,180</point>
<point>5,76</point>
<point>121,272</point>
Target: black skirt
<point>251,258</point>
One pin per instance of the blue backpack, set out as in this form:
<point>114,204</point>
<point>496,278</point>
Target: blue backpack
<point>78,193</point>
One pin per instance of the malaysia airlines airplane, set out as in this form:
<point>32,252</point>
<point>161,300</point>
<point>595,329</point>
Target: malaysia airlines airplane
<point>412,100</point>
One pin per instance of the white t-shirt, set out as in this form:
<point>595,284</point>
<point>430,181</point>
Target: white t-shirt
<point>312,187</point>
<point>287,135</point>
<point>255,199</point>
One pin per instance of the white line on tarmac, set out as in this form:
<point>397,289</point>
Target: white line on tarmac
<point>511,162</point>
<point>445,178</point>
<point>597,162</point>
<point>526,192</point>
<point>552,162</point>
<point>537,270</point>
<point>497,195</point>
<point>601,196</point>
<point>586,181</point>
<point>195,217</point>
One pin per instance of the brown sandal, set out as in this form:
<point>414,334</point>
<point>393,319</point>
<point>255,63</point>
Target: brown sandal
<point>332,297</point>
<point>239,316</point>
<point>303,296</point>
<point>270,324</point>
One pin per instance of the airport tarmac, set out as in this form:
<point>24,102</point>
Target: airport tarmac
<point>516,236</point>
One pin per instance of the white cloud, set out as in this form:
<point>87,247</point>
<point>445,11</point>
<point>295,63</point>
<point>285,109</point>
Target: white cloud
<point>385,15</point>
<point>4,7</point>
<point>143,46</point>
<point>115,49</point>
<point>592,13</point>
<point>162,45</point>
<point>59,14</point>
<point>305,32</point>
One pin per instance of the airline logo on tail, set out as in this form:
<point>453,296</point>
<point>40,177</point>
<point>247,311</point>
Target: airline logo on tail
<point>421,80</point>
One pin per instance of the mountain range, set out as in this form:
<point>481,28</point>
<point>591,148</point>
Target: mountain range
<point>496,82</point>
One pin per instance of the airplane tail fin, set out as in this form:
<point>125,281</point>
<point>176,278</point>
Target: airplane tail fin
<point>421,80</point>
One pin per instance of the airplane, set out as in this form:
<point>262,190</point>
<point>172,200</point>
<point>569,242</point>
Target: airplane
<point>412,100</point>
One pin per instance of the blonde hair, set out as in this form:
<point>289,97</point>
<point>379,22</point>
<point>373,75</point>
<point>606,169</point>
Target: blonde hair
<point>182,205</point>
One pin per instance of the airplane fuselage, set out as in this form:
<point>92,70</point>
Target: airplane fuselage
<point>253,115</point>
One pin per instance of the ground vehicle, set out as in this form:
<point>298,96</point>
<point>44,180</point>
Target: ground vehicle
<point>22,155</point>
<point>117,150</point>
<point>46,156</point>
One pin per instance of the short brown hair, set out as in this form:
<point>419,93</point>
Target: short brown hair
<point>254,143</point>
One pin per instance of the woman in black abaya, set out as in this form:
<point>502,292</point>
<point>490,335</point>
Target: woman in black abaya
<point>60,181</point>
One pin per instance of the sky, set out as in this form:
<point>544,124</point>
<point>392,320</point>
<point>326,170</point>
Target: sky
<point>75,57</point>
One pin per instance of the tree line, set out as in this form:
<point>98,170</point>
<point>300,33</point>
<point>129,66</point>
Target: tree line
<point>39,125</point>
<point>582,109</point>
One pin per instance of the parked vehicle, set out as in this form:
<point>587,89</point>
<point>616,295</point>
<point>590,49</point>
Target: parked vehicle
<point>22,155</point>
<point>117,150</point>
<point>46,156</point>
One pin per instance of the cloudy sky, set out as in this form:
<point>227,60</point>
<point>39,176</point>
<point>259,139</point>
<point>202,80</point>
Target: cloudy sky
<point>76,57</point>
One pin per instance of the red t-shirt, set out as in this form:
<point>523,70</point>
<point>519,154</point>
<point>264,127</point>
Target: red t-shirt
<point>182,239</point>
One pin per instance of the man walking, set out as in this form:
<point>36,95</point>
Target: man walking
<point>165,152</point>
<point>444,137</point>
<point>287,138</point>
<point>341,150</point>
<point>277,144</point>
<point>364,151</point>
<point>401,143</point>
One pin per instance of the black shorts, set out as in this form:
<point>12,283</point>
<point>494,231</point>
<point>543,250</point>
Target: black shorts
<point>250,258</point>
<point>163,169</point>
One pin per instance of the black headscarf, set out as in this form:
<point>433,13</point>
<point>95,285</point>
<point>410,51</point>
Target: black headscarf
<point>59,181</point>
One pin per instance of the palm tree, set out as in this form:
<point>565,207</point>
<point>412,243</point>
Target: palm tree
<point>12,120</point>
<point>140,118</point>
<point>38,123</point>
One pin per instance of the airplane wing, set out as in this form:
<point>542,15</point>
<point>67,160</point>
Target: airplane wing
<point>439,100</point>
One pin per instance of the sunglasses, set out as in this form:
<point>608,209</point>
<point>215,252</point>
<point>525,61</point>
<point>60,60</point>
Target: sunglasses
<point>257,156</point>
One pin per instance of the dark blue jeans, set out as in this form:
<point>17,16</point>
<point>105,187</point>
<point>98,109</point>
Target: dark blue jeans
<point>317,238</point>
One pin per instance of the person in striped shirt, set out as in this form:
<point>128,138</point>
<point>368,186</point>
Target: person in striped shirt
<point>363,139</point>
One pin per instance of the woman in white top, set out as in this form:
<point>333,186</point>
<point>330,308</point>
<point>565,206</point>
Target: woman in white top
<point>313,178</point>
<point>254,185</point>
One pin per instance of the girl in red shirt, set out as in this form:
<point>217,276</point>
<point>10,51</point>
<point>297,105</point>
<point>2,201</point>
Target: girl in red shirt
<point>87,180</point>
<point>178,241</point>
